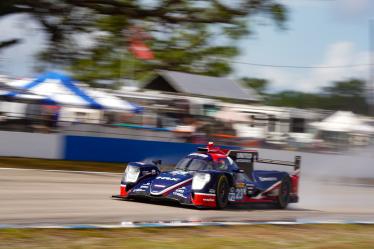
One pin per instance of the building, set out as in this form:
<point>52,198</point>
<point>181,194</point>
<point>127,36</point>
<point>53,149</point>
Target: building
<point>202,86</point>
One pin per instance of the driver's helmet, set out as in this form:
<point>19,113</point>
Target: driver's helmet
<point>220,164</point>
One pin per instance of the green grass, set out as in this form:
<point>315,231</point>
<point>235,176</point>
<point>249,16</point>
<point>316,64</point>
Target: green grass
<point>259,236</point>
<point>31,163</point>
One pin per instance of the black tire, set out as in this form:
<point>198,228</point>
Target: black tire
<point>284,193</point>
<point>222,192</point>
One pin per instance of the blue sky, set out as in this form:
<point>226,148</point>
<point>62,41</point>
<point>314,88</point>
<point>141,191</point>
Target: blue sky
<point>319,33</point>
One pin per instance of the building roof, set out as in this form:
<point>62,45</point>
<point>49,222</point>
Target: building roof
<point>194,84</point>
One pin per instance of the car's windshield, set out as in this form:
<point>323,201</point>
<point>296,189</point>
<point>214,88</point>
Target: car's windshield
<point>193,164</point>
<point>182,164</point>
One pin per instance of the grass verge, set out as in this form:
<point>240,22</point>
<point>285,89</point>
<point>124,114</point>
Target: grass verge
<point>259,236</point>
<point>31,163</point>
<point>52,164</point>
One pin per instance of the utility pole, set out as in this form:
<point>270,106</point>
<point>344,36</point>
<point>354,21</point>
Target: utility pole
<point>122,67</point>
<point>370,84</point>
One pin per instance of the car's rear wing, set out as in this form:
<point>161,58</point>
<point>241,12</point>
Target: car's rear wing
<point>251,156</point>
<point>295,163</point>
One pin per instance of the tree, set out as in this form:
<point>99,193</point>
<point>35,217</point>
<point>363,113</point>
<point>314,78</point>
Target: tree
<point>260,85</point>
<point>191,36</point>
<point>349,95</point>
<point>295,99</point>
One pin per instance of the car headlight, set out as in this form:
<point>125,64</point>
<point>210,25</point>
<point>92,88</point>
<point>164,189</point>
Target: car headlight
<point>200,180</point>
<point>131,174</point>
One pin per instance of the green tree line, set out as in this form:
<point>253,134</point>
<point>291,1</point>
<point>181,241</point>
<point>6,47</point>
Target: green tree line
<point>350,95</point>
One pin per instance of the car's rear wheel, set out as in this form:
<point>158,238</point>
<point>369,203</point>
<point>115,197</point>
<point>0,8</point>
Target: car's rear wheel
<point>222,192</point>
<point>284,193</point>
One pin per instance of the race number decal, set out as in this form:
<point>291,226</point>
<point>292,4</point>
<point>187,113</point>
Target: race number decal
<point>236,194</point>
<point>232,194</point>
<point>239,193</point>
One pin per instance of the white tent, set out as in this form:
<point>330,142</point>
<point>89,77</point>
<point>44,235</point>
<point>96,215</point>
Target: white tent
<point>343,121</point>
<point>109,101</point>
<point>18,94</point>
<point>231,115</point>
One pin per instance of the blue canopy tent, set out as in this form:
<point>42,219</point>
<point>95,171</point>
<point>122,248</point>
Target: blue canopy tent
<point>15,94</point>
<point>60,89</point>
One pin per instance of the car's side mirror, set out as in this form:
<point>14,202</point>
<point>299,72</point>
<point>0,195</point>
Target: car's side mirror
<point>157,162</point>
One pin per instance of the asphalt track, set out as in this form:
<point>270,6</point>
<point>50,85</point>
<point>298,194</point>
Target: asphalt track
<point>60,197</point>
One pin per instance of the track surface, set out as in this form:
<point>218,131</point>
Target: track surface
<point>46,197</point>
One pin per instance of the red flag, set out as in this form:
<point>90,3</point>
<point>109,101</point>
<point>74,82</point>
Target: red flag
<point>140,50</point>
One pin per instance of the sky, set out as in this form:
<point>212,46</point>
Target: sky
<point>318,33</point>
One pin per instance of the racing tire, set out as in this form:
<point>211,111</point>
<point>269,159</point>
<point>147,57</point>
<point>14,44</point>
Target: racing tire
<point>222,192</point>
<point>284,194</point>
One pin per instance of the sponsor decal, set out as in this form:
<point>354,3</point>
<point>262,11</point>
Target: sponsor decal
<point>168,178</point>
<point>265,179</point>
<point>240,185</point>
<point>179,172</point>
<point>138,190</point>
<point>209,199</point>
<point>243,155</point>
<point>159,186</point>
<point>180,190</point>
<point>178,194</point>
<point>250,189</point>
<point>145,186</point>
<point>212,191</point>
<point>205,194</point>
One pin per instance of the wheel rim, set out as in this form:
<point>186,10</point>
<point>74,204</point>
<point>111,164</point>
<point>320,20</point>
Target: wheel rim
<point>222,193</point>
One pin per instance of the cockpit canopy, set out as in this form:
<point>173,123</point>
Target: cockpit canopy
<point>200,161</point>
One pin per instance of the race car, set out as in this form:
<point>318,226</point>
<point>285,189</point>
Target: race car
<point>213,177</point>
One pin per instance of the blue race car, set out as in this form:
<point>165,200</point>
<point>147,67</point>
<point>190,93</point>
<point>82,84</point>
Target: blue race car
<point>213,177</point>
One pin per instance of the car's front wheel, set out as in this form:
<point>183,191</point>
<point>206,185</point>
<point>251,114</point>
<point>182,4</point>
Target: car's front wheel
<point>222,192</point>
